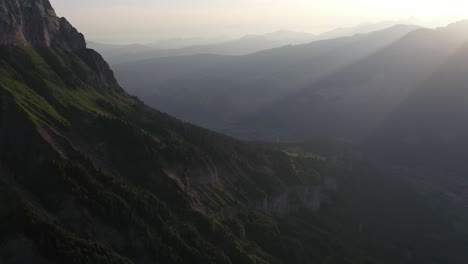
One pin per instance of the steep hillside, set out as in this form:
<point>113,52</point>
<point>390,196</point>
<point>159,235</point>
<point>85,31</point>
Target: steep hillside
<point>352,102</point>
<point>215,91</point>
<point>429,128</point>
<point>89,174</point>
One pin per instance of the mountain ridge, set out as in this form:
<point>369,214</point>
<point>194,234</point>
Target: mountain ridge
<point>89,174</point>
<point>210,90</point>
<point>248,44</point>
<point>34,23</point>
<point>352,101</point>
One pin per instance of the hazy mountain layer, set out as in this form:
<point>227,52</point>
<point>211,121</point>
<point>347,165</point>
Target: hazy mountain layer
<point>429,127</point>
<point>352,102</point>
<point>118,54</point>
<point>216,91</point>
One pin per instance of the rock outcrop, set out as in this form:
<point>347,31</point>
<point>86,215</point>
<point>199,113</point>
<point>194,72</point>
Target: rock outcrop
<point>34,23</point>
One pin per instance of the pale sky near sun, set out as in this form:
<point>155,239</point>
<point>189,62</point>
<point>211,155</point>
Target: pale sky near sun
<point>126,21</point>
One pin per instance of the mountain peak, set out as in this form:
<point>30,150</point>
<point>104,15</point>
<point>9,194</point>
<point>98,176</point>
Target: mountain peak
<point>34,23</point>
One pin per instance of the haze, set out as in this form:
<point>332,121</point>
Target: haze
<point>124,21</point>
<point>233,132</point>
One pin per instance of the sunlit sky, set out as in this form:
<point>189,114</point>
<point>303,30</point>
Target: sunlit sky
<point>126,21</point>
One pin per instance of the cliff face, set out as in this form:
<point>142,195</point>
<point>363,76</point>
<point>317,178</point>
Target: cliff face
<point>34,23</point>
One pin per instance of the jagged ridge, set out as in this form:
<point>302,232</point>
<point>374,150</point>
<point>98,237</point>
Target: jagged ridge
<point>34,23</point>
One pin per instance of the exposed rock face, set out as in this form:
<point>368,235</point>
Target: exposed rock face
<point>34,23</point>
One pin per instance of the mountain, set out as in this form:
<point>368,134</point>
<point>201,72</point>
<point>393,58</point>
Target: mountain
<point>245,45</point>
<point>350,103</point>
<point>216,91</point>
<point>364,28</point>
<point>177,43</point>
<point>35,24</point>
<point>118,54</point>
<point>430,124</point>
<point>427,134</point>
<point>89,174</point>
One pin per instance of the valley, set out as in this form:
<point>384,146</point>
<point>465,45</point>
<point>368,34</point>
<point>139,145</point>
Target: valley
<point>344,150</point>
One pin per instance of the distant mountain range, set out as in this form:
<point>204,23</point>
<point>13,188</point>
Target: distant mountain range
<point>348,85</point>
<point>353,101</point>
<point>117,54</point>
<point>177,43</point>
<point>219,91</point>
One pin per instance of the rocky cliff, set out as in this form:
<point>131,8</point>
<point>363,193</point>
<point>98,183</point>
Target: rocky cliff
<point>34,23</point>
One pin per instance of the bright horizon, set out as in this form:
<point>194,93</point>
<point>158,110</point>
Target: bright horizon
<point>143,21</point>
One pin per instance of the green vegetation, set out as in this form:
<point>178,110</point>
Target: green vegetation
<point>32,103</point>
<point>101,178</point>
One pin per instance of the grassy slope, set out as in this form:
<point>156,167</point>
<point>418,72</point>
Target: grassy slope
<point>101,178</point>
